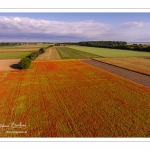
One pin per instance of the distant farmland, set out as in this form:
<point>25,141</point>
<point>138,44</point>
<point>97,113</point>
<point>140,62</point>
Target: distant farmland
<point>70,53</point>
<point>24,47</point>
<point>13,55</point>
<point>106,52</point>
<point>17,52</point>
<point>69,98</point>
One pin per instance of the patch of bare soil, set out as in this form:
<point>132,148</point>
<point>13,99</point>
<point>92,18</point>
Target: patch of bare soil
<point>147,57</point>
<point>130,75</point>
<point>50,54</point>
<point>9,64</point>
<point>54,54</point>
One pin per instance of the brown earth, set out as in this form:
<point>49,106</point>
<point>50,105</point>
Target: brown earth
<point>50,54</point>
<point>130,75</point>
<point>9,64</point>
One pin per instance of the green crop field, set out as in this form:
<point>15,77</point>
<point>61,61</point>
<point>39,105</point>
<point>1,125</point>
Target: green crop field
<point>24,47</point>
<point>106,52</point>
<point>69,53</point>
<point>20,51</point>
<point>13,55</point>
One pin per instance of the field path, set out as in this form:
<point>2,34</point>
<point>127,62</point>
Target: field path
<point>130,75</point>
<point>50,54</point>
<point>9,64</point>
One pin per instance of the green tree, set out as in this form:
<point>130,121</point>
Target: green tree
<point>25,63</point>
<point>41,50</point>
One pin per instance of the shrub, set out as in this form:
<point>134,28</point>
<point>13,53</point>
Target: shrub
<point>49,46</point>
<point>34,55</point>
<point>25,63</point>
<point>41,51</point>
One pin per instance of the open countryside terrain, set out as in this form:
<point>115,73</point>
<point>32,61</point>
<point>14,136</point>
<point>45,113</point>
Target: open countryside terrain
<point>23,47</point>
<point>107,52</point>
<point>13,55</point>
<point>70,53</point>
<point>69,98</point>
<point>18,52</point>
<point>50,54</point>
<point>138,64</point>
<point>10,64</point>
<point>137,77</point>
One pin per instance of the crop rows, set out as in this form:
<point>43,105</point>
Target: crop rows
<point>72,99</point>
<point>108,52</point>
<point>69,53</point>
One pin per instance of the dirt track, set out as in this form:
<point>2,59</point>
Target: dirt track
<point>133,76</point>
<point>10,64</point>
<point>50,54</point>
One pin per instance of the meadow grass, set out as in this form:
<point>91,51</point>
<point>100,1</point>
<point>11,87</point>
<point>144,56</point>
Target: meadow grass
<point>69,53</point>
<point>107,52</point>
<point>13,55</point>
<point>23,47</point>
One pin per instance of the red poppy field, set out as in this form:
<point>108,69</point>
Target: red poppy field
<point>69,98</point>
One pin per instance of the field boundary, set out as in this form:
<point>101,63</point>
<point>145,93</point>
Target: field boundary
<point>69,53</point>
<point>9,64</point>
<point>90,53</point>
<point>112,53</point>
<point>136,77</point>
<point>121,67</point>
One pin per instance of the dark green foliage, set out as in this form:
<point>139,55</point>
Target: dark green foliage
<point>49,46</point>
<point>57,44</point>
<point>25,63</point>
<point>116,45</point>
<point>70,43</point>
<point>41,50</point>
<point>34,55</point>
<point>104,44</point>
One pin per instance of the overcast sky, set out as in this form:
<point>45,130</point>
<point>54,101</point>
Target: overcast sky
<point>74,27</point>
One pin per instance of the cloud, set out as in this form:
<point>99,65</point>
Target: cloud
<point>38,28</point>
<point>29,29</point>
<point>134,24</point>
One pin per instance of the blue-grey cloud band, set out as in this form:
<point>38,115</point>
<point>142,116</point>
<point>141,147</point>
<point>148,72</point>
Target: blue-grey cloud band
<point>25,29</point>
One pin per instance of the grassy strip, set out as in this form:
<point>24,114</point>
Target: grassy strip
<point>13,55</point>
<point>20,47</point>
<point>69,53</point>
<point>107,52</point>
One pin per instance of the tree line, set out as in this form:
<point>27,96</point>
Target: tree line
<point>21,43</point>
<point>26,61</point>
<point>116,45</point>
